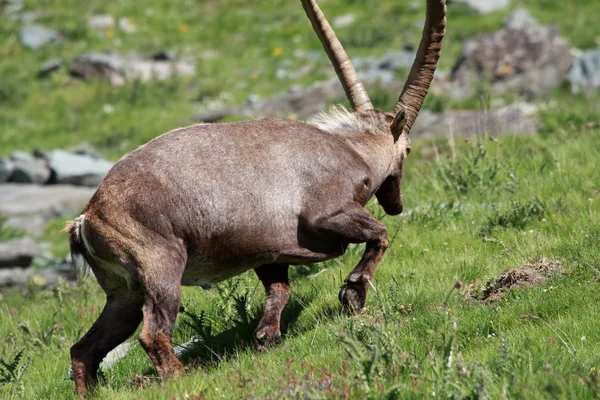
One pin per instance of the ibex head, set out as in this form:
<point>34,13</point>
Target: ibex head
<point>395,124</point>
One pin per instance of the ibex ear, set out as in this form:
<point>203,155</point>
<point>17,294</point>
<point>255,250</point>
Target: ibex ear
<point>398,125</point>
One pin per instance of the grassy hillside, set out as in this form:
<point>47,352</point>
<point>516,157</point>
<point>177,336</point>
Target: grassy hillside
<point>475,209</point>
<point>480,208</point>
<point>238,50</point>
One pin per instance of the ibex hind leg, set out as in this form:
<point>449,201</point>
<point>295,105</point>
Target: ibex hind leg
<point>274,278</point>
<point>161,286</point>
<point>354,224</point>
<point>119,319</point>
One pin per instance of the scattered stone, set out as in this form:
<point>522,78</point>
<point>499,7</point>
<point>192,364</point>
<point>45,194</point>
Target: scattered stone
<point>101,22</point>
<point>529,61</point>
<point>30,207</point>
<point>37,36</point>
<point>119,69</point>
<point>17,253</point>
<point>127,25</point>
<point>28,169</point>
<point>521,18</point>
<point>26,17</point>
<point>530,274</point>
<point>585,73</point>
<point>182,349</point>
<point>301,103</point>
<point>485,6</point>
<point>508,120</point>
<point>11,6</point>
<point>343,20</point>
<point>164,55</point>
<point>50,66</point>
<point>77,169</point>
<point>48,278</point>
<point>115,355</point>
<point>6,169</point>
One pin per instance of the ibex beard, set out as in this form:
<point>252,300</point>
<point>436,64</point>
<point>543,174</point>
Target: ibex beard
<point>201,204</point>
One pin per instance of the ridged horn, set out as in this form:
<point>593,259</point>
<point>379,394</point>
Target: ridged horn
<point>416,86</point>
<point>355,91</point>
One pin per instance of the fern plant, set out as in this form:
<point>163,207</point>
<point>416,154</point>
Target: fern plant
<point>12,370</point>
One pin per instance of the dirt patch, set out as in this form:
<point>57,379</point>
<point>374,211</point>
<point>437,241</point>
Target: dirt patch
<point>530,274</point>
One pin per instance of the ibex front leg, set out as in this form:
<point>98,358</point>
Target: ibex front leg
<point>354,224</point>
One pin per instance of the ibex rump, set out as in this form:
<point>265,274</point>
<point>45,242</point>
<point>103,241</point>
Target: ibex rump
<point>205,203</point>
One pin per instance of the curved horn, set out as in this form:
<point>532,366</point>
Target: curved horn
<point>355,91</point>
<point>421,73</point>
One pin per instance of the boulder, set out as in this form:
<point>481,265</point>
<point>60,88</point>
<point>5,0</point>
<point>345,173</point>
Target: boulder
<point>585,73</point>
<point>529,61</point>
<point>77,169</point>
<point>119,69</point>
<point>17,253</point>
<point>28,169</point>
<point>50,67</point>
<point>48,278</point>
<point>508,120</point>
<point>485,6</point>
<point>101,21</point>
<point>521,18</point>
<point>30,207</point>
<point>6,169</point>
<point>36,36</point>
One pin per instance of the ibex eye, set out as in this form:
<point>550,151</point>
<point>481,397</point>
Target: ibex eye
<point>407,150</point>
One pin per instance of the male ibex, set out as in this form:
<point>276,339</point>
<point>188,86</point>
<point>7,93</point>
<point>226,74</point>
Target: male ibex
<point>208,202</point>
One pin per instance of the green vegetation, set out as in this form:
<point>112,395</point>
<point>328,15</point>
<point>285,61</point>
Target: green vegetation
<point>414,339</point>
<point>238,50</point>
<point>475,210</point>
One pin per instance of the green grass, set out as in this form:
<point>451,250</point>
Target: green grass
<point>418,337</point>
<point>62,111</point>
<point>414,340</point>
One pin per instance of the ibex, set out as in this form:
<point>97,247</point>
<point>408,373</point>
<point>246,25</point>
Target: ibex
<point>201,204</point>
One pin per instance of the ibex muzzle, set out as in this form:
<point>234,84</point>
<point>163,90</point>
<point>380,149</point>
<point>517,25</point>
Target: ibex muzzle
<point>202,204</point>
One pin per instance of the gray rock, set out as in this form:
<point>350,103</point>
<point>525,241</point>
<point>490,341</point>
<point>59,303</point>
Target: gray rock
<point>11,6</point>
<point>343,20</point>
<point>17,253</point>
<point>164,55</point>
<point>182,349</point>
<point>297,103</point>
<point>585,73</point>
<point>521,18</point>
<point>127,25</point>
<point>29,169</point>
<point>50,66</point>
<point>529,61</point>
<point>36,36</point>
<point>508,120</point>
<point>119,69</point>
<point>26,17</point>
<point>6,169</point>
<point>77,169</point>
<point>29,207</point>
<point>485,6</point>
<point>101,21</point>
<point>115,355</point>
<point>48,278</point>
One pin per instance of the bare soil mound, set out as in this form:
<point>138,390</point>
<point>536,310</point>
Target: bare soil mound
<point>530,274</point>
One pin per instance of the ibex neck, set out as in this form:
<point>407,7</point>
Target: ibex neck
<point>377,152</point>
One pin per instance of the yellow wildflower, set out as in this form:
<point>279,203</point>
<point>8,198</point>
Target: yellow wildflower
<point>277,51</point>
<point>183,27</point>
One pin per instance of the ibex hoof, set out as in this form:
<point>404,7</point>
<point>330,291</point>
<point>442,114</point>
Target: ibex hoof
<point>267,336</point>
<point>353,296</point>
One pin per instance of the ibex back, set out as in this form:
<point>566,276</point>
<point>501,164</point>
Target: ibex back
<point>201,204</point>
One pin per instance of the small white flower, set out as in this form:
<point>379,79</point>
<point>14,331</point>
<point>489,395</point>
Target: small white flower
<point>583,338</point>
